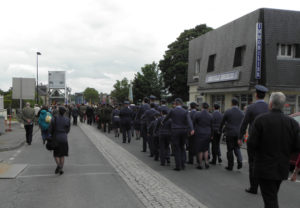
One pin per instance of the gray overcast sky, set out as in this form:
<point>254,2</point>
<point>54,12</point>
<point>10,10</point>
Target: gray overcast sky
<point>100,41</point>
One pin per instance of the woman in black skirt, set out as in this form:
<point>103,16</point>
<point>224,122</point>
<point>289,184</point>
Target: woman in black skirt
<point>203,129</point>
<point>60,127</point>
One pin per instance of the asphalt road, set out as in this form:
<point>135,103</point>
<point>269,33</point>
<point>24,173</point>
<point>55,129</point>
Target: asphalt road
<point>89,180</point>
<point>92,179</point>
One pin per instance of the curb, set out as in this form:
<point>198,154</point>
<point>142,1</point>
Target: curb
<point>18,145</point>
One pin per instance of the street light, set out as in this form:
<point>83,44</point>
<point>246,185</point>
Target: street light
<point>37,76</point>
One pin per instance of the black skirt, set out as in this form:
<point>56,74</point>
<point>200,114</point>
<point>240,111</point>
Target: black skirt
<point>61,150</point>
<point>202,144</point>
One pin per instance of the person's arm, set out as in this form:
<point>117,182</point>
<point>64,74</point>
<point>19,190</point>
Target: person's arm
<point>223,122</point>
<point>190,123</point>
<point>253,143</point>
<point>244,124</point>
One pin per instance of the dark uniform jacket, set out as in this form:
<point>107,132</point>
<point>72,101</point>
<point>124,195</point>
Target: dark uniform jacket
<point>149,115</point>
<point>163,107</point>
<point>252,112</point>
<point>126,117</point>
<point>60,127</point>
<point>164,128</point>
<point>232,119</point>
<point>180,118</point>
<point>203,124</point>
<point>216,120</point>
<point>141,112</point>
<point>274,136</point>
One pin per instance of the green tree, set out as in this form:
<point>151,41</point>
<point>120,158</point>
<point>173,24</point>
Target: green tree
<point>121,90</point>
<point>174,65</point>
<point>91,95</point>
<point>147,82</point>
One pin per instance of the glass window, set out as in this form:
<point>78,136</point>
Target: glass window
<point>219,99</point>
<point>197,66</point>
<point>239,56</point>
<point>244,100</point>
<point>211,63</point>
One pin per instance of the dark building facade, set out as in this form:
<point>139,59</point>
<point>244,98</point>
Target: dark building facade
<point>262,47</point>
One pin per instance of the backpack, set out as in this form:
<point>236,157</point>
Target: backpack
<point>48,118</point>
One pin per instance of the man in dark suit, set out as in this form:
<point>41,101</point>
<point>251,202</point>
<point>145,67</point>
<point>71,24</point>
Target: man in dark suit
<point>163,106</point>
<point>181,124</point>
<point>253,110</point>
<point>125,121</point>
<point>274,136</point>
<point>232,120</point>
<point>216,134</point>
<point>141,111</point>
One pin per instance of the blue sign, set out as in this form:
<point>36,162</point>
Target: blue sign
<point>258,50</point>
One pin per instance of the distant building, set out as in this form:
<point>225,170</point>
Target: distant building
<point>79,99</point>
<point>262,47</point>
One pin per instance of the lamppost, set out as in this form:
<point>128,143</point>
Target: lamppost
<point>37,76</point>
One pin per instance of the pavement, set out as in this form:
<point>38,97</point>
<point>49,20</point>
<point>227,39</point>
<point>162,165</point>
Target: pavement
<point>15,138</point>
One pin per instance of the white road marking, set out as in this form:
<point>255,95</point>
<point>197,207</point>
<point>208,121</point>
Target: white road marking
<point>153,189</point>
<point>12,158</point>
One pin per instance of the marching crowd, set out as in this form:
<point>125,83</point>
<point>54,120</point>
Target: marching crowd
<point>179,129</point>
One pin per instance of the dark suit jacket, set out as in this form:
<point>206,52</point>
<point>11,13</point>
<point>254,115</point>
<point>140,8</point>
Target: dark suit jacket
<point>232,120</point>
<point>274,136</point>
<point>216,120</point>
<point>252,112</point>
<point>125,117</point>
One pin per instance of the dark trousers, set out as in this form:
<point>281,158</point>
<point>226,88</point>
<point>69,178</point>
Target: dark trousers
<point>191,149</point>
<point>89,120</point>
<point>253,181</point>
<point>126,132</point>
<point>150,140</point>
<point>75,120</point>
<point>155,147</point>
<point>231,142</point>
<point>178,140</point>
<point>28,129</point>
<point>145,136</point>
<point>164,148</point>
<point>106,125</point>
<point>216,146</point>
<point>269,191</point>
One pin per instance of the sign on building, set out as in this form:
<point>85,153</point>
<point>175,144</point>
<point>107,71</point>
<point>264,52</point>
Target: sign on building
<point>57,79</point>
<point>223,77</point>
<point>23,88</point>
<point>258,50</point>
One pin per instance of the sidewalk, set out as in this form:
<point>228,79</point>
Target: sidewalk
<point>15,138</point>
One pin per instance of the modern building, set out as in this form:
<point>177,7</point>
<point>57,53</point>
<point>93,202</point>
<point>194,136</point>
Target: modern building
<point>262,47</point>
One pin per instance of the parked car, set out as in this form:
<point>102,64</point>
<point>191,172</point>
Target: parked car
<point>294,157</point>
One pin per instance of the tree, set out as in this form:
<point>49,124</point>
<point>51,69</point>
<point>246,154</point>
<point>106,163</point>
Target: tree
<point>174,65</point>
<point>91,95</point>
<point>121,90</point>
<point>146,83</point>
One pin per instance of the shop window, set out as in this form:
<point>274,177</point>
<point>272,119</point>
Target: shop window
<point>239,56</point>
<point>288,50</point>
<point>244,100</point>
<point>197,67</point>
<point>219,99</point>
<point>211,63</point>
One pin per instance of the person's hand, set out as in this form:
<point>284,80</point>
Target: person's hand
<point>240,142</point>
<point>192,132</point>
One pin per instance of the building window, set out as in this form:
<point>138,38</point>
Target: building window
<point>197,66</point>
<point>219,99</point>
<point>211,63</point>
<point>244,100</point>
<point>239,56</point>
<point>288,50</point>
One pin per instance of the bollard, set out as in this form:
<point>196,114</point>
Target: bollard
<point>9,124</point>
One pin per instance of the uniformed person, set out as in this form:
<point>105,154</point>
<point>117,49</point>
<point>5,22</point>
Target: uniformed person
<point>149,116</point>
<point>28,119</point>
<point>253,110</point>
<point>216,122</point>
<point>191,138</point>
<point>116,120</point>
<point>125,121</point>
<point>143,124</point>
<point>181,124</point>
<point>232,120</point>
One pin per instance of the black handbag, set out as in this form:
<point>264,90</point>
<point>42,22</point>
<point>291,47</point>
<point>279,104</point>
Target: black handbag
<point>51,143</point>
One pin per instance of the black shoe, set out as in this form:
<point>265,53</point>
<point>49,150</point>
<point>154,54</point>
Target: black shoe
<point>199,167</point>
<point>250,191</point>
<point>206,166</point>
<point>228,168</point>
<point>57,170</point>
<point>61,171</point>
<point>168,161</point>
<point>176,169</point>
<point>240,165</point>
<point>162,164</point>
<point>220,160</point>
<point>151,155</point>
<point>143,150</point>
<point>129,142</point>
<point>212,163</point>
